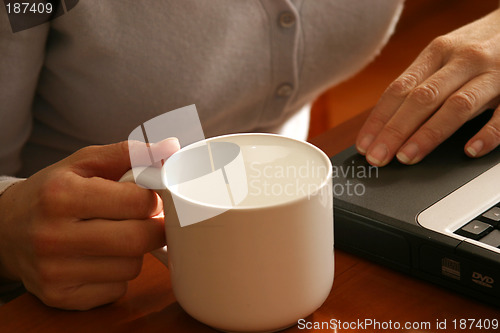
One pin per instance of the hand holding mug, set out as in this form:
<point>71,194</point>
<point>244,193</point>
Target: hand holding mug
<point>73,235</point>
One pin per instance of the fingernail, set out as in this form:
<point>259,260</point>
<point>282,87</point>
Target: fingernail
<point>475,148</point>
<point>174,140</point>
<point>378,154</point>
<point>408,155</point>
<point>365,143</point>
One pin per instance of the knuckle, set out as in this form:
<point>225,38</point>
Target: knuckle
<point>87,151</point>
<point>493,131</point>
<point>51,297</point>
<point>54,193</point>
<point>87,156</point>
<point>395,132</point>
<point>93,151</point>
<point>49,292</point>
<point>69,296</point>
<point>48,194</point>
<point>377,120</point>
<point>432,134</point>
<point>478,52</point>
<point>403,85</point>
<point>59,297</point>
<point>464,103</point>
<point>441,43</point>
<point>44,240</point>
<point>425,94</point>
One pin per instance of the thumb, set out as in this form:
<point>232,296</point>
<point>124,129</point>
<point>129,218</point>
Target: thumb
<point>112,161</point>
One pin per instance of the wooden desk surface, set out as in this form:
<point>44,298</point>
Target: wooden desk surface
<point>362,291</point>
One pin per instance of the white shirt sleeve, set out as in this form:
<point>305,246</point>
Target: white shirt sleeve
<point>6,182</point>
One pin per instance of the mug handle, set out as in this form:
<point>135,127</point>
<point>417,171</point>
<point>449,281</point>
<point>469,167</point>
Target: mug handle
<point>148,177</point>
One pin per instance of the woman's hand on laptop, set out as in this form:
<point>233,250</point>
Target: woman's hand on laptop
<point>454,79</point>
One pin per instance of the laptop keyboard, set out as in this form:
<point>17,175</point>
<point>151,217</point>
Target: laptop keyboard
<point>484,228</point>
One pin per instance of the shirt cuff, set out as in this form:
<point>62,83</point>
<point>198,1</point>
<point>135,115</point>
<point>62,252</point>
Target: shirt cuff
<point>9,289</point>
<point>6,182</point>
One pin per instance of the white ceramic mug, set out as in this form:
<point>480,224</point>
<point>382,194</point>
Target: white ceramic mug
<point>265,260</point>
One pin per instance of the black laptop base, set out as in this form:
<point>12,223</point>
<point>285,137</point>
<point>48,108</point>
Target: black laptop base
<point>379,221</point>
<point>417,255</point>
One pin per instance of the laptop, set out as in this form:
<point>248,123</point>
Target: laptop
<point>438,220</point>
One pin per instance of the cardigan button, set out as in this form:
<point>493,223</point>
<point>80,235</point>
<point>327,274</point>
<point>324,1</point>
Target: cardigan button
<point>284,90</point>
<point>286,19</point>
